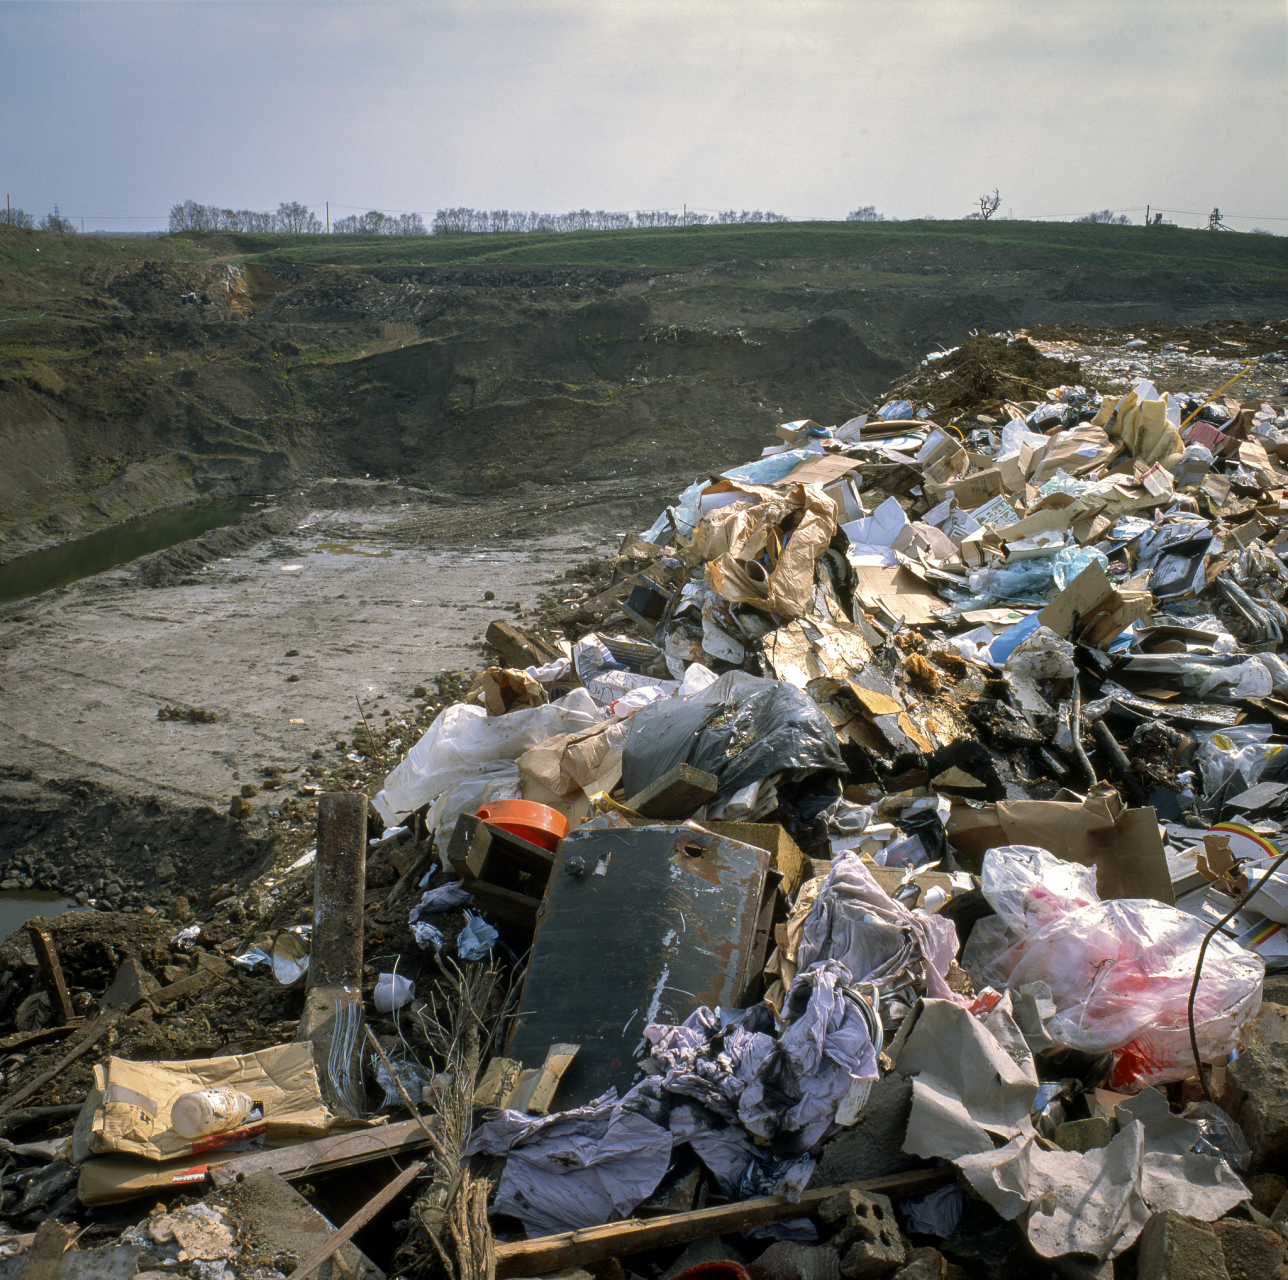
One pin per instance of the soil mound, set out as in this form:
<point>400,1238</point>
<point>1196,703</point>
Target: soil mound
<point>984,371</point>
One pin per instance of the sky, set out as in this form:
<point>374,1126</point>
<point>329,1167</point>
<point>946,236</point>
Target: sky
<point>117,111</point>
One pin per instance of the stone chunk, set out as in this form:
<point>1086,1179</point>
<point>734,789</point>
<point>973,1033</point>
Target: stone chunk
<point>131,984</point>
<point>1257,1088</point>
<point>1174,1247</point>
<point>1250,1251</point>
<point>795,1260</point>
<point>928,1264</point>
<point>676,794</point>
<point>1085,1135</point>
<point>868,1238</point>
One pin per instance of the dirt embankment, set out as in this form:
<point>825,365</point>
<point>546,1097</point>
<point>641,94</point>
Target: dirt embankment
<point>150,383</point>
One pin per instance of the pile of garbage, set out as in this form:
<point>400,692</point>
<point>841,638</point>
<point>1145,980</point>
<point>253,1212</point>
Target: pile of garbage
<point>876,871</point>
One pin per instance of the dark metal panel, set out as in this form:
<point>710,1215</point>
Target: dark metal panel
<point>637,926</point>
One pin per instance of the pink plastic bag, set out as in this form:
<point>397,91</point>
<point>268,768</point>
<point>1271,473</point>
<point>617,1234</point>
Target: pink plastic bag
<point>1119,971</point>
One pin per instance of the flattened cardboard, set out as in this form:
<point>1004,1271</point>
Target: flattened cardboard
<point>899,592</point>
<point>1122,844</point>
<point>1076,452</point>
<point>822,471</point>
<point>128,1110</point>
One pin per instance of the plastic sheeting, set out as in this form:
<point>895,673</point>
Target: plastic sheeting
<point>466,753</point>
<point>1119,972</point>
<point>742,729</point>
<point>576,1168</point>
<point>854,921</point>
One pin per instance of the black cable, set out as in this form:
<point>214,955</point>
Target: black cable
<point>1198,965</point>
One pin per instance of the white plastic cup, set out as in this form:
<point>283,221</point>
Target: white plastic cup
<point>206,1111</point>
<point>392,992</point>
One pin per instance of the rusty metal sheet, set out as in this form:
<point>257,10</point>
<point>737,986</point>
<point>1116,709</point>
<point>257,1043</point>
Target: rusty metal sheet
<point>637,926</point>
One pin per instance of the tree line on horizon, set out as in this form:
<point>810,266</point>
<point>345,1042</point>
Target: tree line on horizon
<point>297,219</point>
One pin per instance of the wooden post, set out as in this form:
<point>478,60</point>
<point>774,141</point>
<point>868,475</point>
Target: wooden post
<point>332,1018</point>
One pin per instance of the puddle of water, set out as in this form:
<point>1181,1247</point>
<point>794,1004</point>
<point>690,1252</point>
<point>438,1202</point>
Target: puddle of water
<point>44,570</point>
<point>349,549</point>
<point>17,906</point>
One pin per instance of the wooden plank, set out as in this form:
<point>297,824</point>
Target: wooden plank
<point>47,955</point>
<point>621,1239</point>
<point>357,1222</point>
<point>676,794</point>
<point>41,1035</point>
<point>499,1082</point>
<point>536,1090</point>
<point>338,1151</point>
<point>505,904</point>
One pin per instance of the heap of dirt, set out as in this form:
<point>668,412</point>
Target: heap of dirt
<point>98,845</point>
<point>984,371</point>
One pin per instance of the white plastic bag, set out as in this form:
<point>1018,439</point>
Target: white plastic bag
<point>1029,887</point>
<point>392,992</point>
<point>465,742</point>
<point>1244,680</point>
<point>1239,749</point>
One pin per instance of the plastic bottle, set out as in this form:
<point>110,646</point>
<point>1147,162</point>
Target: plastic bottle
<point>206,1111</point>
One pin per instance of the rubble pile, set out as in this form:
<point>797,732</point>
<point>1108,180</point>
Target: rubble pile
<point>873,870</point>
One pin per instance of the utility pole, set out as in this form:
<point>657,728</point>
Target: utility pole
<point>328,217</point>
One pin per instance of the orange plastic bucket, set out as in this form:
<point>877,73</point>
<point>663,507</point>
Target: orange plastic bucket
<point>535,823</point>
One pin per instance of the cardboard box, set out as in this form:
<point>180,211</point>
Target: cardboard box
<point>970,491</point>
<point>1103,611</point>
<point>1122,844</point>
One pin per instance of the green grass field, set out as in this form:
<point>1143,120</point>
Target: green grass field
<point>671,248</point>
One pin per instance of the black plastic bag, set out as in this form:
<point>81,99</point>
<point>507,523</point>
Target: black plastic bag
<point>742,729</point>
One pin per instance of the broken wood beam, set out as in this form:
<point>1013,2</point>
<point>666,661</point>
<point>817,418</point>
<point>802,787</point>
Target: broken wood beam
<point>621,1239</point>
<point>357,1222</point>
<point>536,1089</point>
<point>498,1083</point>
<point>323,1155</point>
<point>676,794</point>
<point>39,1115</point>
<point>518,650</point>
<point>96,1030</point>
<point>47,956</point>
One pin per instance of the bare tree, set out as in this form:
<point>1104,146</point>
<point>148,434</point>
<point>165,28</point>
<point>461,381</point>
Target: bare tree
<point>15,217</point>
<point>1107,216</point>
<point>56,222</point>
<point>866,214</point>
<point>296,219</point>
<point>989,205</point>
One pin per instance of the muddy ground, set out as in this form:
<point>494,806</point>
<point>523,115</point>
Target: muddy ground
<point>128,385</point>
